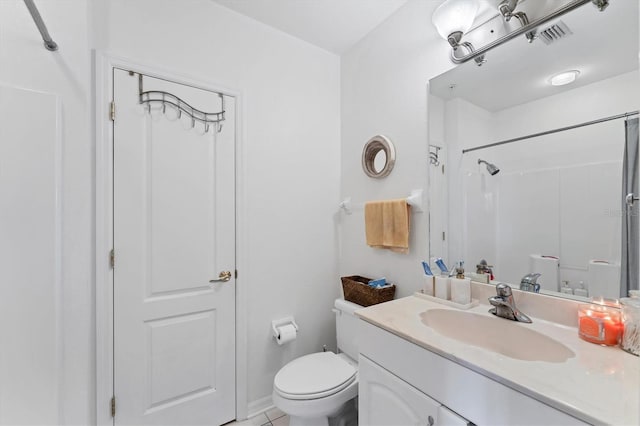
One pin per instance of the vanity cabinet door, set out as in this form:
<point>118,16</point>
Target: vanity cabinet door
<point>386,400</point>
<point>447,417</point>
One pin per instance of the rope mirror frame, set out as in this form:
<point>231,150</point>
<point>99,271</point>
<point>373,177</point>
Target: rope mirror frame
<point>371,149</point>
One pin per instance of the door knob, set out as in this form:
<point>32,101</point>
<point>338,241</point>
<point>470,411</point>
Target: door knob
<point>630,199</point>
<point>223,277</point>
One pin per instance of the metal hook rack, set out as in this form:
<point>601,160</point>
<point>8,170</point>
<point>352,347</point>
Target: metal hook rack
<point>165,98</point>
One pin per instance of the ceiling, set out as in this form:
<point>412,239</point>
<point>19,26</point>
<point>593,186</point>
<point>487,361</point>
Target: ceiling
<point>603,45</point>
<point>333,25</point>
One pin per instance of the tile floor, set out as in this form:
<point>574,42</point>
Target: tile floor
<point>272,417</point>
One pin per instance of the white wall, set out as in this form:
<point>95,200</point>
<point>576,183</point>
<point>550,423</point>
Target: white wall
<point>290,159</point>
<point>384,90</point>
<point>30,227</point>
<point>65,74</point>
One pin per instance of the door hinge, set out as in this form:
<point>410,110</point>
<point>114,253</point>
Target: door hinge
<point>113,406</point>
<point>112,111</point>
<point>443,169</point>
<point>112,258</point>
<point>443,236</point>
<point>236,274</point>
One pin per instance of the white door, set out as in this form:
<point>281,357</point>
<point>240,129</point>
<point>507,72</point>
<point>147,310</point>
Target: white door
<point>174,231</point>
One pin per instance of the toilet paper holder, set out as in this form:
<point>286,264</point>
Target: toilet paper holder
<point>280,322</point>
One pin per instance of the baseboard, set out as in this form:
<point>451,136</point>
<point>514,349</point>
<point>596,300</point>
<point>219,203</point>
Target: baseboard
<point>259,406</point>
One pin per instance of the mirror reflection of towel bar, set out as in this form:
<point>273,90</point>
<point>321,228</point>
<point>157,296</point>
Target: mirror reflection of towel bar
<point>414,200</point>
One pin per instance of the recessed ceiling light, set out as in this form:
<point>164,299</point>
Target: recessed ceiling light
<point>563,78</point>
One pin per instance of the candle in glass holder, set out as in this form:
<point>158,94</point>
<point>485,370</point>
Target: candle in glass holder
<point>599,324</point>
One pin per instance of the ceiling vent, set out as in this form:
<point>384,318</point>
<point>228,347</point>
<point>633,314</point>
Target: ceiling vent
<point>554,33</point>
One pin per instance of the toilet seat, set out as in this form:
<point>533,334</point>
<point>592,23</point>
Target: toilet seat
<point>314,376</point>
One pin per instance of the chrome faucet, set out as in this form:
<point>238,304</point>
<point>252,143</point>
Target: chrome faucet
<point>505,306</point>
<point>529,283</point>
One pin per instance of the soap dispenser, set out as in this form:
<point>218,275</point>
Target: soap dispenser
<point>460,286</point>
<point>460,270</point>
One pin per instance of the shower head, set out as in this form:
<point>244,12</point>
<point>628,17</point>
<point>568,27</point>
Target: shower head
<point>491,168</point>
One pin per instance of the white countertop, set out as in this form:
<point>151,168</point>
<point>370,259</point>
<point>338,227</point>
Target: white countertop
<point>600,385</point>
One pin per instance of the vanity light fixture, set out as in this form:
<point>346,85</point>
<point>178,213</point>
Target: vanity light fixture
<point>563,78</point>
<point>454,18</point>
<point>507,9</point>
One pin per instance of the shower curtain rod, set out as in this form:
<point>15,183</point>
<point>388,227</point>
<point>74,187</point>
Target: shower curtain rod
<point>49,44</point>
<point>548,132</point>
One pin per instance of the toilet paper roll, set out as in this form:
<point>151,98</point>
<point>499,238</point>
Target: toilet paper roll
<point>286,333</point>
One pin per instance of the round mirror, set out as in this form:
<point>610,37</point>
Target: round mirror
<point>380,161</point>
<point>378,157</point>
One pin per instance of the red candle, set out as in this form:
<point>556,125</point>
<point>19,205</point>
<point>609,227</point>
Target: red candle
<point>600,324</point>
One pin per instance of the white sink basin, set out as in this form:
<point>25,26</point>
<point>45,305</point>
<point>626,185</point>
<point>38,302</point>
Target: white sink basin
<point>499,335</point>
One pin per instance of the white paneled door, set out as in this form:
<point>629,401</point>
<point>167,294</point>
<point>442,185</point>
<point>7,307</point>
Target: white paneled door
<point>174,232</point>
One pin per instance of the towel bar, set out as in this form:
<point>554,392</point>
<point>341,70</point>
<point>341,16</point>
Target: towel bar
<point>414,200</point>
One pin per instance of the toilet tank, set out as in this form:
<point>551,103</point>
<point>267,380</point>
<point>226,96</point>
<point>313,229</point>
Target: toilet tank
<point>347,327</point>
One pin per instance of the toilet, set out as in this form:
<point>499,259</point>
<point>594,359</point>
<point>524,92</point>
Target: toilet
<point>604,279</point>
<point>321,388</point>
<point>549,269</point>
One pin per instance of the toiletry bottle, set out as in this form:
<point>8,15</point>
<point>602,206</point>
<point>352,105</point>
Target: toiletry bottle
<point>565,287</point>
<point>581,291</point>
<point>443,268</point>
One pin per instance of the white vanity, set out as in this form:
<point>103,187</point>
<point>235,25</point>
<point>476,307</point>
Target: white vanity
<point>412,374</point>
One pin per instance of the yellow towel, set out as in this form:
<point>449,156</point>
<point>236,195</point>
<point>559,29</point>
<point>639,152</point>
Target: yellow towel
<point>387,224</point>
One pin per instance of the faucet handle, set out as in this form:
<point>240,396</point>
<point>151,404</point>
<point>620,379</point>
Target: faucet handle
<point>531,278</point>
<point>503,290</point>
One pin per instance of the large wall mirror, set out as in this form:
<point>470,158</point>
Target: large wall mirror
<point>549,204</point>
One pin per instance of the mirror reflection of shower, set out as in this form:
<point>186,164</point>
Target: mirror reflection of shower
<point>491,168</point>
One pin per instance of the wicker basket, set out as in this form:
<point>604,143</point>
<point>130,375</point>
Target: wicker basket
<point>357,290</point>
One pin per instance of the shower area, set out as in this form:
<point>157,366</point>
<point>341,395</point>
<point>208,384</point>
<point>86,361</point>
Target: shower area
<point>540,187</point>
<point>551,204</point>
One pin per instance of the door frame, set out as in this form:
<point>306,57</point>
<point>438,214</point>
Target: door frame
<point>103,64</point>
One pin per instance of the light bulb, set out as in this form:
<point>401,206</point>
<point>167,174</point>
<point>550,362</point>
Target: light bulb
<point>454,15</point>
<point>563,78</point>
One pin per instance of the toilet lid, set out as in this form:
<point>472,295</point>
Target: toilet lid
<point>314,376</point>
